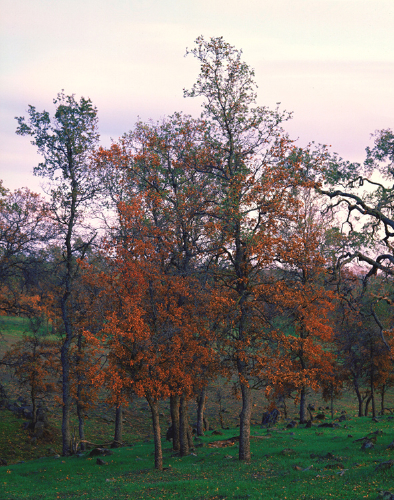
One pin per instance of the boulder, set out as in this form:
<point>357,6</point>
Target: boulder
<point>270,417</point>
<point>39,429</point>
<point>100,451</point>
<point>367,445</point>
<point>291,425</point>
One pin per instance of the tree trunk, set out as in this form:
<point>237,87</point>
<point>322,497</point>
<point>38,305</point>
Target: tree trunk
<point>34,406</point>
<point>373,395</point>
<point>81,426</point>
<point>81,423</point>
<point>183,424</point>
<point>174,409</point>
<point>382,394</point>
<point>118,427</point>
<point>367,405</point>
<point>359,398</point>
<point>245,416</point>
<point>66,433</point>
<point>303,405</point>
<point>154,406</point>
<point>332,404</point>
<point>201,398</point>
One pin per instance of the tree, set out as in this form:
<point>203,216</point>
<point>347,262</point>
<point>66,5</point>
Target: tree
<point>66,142</point>
<point>34,359</point>
<point>304,338</point>
<point>253,169</point>
<point>367,204</point>
<point>25,227</point>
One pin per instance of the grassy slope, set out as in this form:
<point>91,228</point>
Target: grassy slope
<point>215,473</point>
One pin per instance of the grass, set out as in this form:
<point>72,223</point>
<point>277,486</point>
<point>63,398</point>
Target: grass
<point>304,472</point>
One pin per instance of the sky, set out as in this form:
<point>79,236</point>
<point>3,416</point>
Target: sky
<point>330,62</point>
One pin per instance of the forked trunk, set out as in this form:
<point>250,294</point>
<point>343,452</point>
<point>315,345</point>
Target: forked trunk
<point>154,406</point>
<point>174,409</point>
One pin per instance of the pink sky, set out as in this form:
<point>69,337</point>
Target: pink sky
<point>329,61</point>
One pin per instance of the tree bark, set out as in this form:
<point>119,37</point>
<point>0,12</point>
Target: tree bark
<point>201,398</point>
<point>81,426</point>
<point>183,424</point>
<point>367,405</point>
<point>373,395</point>
<point>245,416</point>
<point>303,405</point>
<point>81,423</point>
<point>359,398</point>
<point>174,409</point>
<point>382,395</point>
<point>118,427</point>
<point>154,406</point>
<point>66,432</point>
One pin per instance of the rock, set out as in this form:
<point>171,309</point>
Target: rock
<point>375,420</point>
<point>217,433</point>
<point>309,424</point>
<point>270,417</point>
<point>367,445</point>
<point>335,465</point>
<point>385,495</point>
<point>342,418</point>
<point>116,444</point>
<point>169,433</point>
<point>39,429</point>
<point>100,451</point>
<point>3,462</point>
<point>100,462</point>
<point>390,446</point>
<point>288,451</point>
<point>320,416</point>
<point>42,415</point>
<point>291,425</point>
<point>385,465</point>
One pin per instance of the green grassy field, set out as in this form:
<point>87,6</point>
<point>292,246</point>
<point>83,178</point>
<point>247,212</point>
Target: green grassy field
<point>308,464</point>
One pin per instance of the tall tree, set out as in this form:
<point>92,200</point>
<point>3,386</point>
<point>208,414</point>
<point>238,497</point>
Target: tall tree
<point>66,142</point>
<point>254,170</point>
